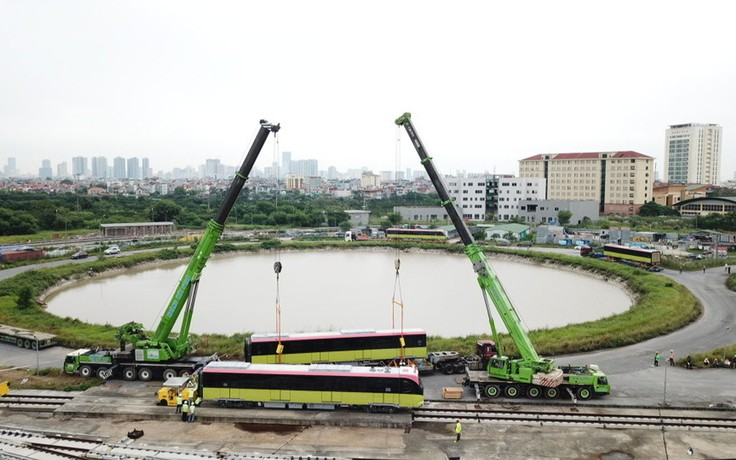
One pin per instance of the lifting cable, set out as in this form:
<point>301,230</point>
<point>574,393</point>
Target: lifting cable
<point>397,265</point>
<point>277,255</point>
<point>400,303</point>
<point>280,346</point>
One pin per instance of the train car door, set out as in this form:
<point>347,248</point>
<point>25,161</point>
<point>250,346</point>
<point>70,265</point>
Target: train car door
<point>280,395</point>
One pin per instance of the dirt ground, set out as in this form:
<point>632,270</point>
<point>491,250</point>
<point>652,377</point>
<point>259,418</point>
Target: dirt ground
<point>24,379</point>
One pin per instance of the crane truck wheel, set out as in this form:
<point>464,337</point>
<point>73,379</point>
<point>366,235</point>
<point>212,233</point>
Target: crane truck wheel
<point>145,374</point>
<point>169,373</point>
<point>27,344</point>
<point>129,374</point>
<point>19,342</point>
<point>448,368</point>
<point>511,391</point>
<point>551,393</point>
<point>85,371</point>
<point>101,371</point>
<point>534,392</point>
<point>492,391</point>
<point>584,393</point>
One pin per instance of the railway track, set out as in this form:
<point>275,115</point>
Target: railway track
<point>654,418</point>
<point>36,403</point>
<point>24,444</point>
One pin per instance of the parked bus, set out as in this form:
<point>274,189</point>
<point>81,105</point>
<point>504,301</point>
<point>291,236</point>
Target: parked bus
<point>417,234</point>
<point>646,258</point>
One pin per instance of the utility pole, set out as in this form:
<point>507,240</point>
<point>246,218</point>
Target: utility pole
<point>664,395</point>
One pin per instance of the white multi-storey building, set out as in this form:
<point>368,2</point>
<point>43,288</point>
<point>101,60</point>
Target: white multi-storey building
<point>469,194</point>
<point>304,168</point>
<point>692,154</point>
<point>512,191</point>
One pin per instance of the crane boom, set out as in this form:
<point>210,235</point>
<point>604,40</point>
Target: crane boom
<point>530,375</point>
<point>162,347</point>
<point>487,278</point>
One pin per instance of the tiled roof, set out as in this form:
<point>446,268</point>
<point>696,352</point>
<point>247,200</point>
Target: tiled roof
<point>586,155</point>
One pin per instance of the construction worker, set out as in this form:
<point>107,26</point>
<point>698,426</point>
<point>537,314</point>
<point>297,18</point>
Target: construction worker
<point>179,400</point>
<point>458,431</point>
<point>192,416</point>
<point>185,411</point>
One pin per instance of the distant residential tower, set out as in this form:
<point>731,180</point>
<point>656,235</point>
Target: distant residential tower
<point>692,154</point>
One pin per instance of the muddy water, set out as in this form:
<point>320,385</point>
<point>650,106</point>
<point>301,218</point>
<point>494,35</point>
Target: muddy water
<point>320,291</point>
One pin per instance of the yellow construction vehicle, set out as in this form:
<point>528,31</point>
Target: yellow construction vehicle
<point>184,386</point>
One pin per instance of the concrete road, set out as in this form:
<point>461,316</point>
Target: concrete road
<point>631,371</point>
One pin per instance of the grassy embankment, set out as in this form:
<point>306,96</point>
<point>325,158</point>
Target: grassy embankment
<point>661,306</point>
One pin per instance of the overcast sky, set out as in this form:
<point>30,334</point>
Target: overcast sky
<point>487,83</point>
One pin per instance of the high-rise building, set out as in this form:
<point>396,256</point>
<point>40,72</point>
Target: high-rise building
<point>285,163</point>
<point>212,169</point>
<point>146,168</point>
<point>619,181</point>
<point>332,173</point>
<point>79,167</point>
<point>118,168</point>
<point>134,168</point>
<point>692,154</point>
<point>62,172</point>
<point>10,169</point>
<point>304,168</point>
<point>45,171</point>
<point>99,167</point>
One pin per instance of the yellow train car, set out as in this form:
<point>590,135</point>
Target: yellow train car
<point>358,346</point>
<point>314,386</point>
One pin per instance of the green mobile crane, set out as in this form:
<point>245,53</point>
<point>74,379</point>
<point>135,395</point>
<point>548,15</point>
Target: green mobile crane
<point>529,375</point>
<point>162,354</point>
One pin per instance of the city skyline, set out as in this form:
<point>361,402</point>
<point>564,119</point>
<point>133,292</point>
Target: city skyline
<point>501,82</point>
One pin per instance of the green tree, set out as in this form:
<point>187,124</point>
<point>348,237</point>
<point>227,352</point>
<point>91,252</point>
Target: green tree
<point>25,298</point>
<point>394,218</point>
<point>13,222</point>
<point>563,216</point>
<point>653,209</point>
<point>166,211</point>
